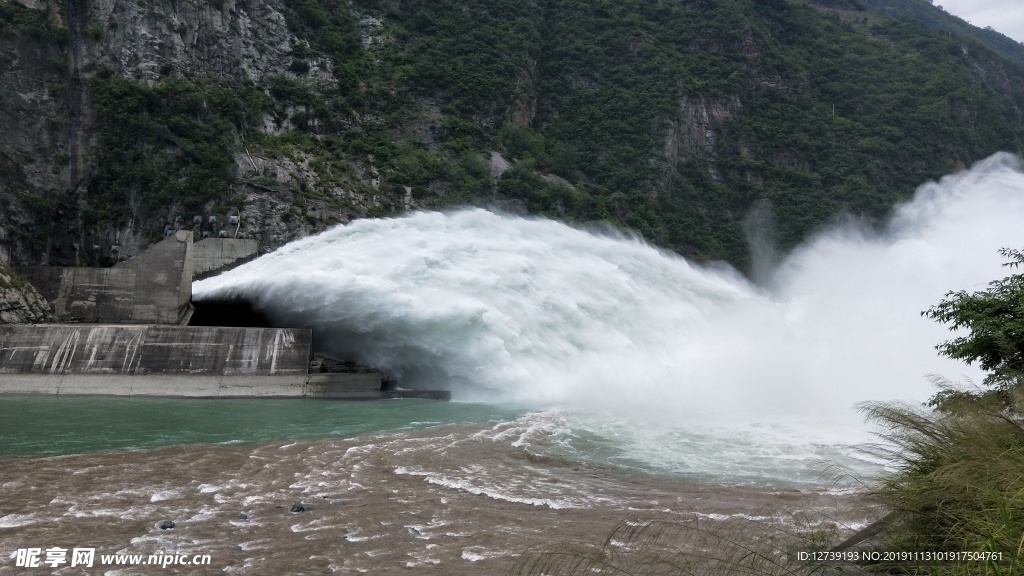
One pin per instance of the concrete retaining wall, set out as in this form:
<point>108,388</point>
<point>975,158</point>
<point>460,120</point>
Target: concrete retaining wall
<point>194,362</point>
<point>155,287</point>
<point>153,360</point>
<point>163,281</point>
<point>212,256</point>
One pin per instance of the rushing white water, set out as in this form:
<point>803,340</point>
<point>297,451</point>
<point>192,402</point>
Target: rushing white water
<point>503,308</point>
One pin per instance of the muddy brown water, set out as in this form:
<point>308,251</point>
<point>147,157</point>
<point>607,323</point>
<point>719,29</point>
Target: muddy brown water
<point>450,500</point>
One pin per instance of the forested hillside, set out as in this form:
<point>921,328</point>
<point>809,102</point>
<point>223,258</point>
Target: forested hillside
<point>121,119</point>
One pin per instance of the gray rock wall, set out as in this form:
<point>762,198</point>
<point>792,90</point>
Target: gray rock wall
<point>237,40</point>
<point>20,302</point>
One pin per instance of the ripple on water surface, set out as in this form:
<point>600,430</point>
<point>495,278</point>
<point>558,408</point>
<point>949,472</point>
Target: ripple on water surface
<point>49,426</point>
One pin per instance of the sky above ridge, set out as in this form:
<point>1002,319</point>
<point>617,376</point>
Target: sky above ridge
<point>1006,16</point>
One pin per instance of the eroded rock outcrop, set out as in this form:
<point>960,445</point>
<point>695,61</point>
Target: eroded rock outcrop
<point>20,302</point>
<point>694,136</point>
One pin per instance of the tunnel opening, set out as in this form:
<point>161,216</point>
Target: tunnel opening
<point>231,312</point>
<point>242,313</point>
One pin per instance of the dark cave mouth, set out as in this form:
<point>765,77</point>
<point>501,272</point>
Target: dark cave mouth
<point>230,312</point>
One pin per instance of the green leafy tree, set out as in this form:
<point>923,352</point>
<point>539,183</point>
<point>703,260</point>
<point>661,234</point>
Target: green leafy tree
<point>958,472</point>
<point>994,320</point>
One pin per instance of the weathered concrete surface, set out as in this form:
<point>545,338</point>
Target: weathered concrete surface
<point>211,256</point>
<point>155,287</point>
<point>163,280</point>
<point>350,386</point>
<point>85,294</point>
<point>154,360</point>
<point>196,362</point>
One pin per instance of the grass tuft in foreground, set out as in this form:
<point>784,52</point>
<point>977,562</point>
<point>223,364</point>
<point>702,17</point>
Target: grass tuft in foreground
<point>958,486</point>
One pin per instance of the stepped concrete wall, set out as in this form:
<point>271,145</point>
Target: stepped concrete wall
<point>154,360</point>
<point>155,287</point>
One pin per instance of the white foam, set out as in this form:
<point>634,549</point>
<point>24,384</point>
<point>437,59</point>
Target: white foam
<point>132,513</point>
<point>205,513</point>
<point>506,489</point>
<point>17,520</point>
<point>722,517</point>
<point>478,553</point>
<point>532,311</point>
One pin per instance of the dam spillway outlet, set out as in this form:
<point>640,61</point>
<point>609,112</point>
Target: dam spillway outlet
<point>181,361</point>
<point>236,312</point>
<point>133,330</point>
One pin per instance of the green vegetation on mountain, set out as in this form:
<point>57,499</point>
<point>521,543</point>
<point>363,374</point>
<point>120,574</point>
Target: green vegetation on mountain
<point>171,144</point>
<point>818,112</point>
<point>35,23</point>
<point>670,118</point>
<point>924,13</point>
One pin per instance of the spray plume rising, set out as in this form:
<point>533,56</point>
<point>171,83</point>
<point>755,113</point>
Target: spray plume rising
<point>528,310</point>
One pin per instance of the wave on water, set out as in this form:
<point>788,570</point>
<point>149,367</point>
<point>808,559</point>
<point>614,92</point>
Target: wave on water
<point>501,308</point>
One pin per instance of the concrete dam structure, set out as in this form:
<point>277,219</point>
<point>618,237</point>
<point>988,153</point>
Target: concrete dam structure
<point>211,256</point>
<point>154,287</point>
<point>153,360</point>
<point>130,336</point>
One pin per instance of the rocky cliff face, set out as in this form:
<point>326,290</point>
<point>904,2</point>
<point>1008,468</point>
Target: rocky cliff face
<point>693,137</point>
<point>34,146</point>
<point>48,122</point>
<point>20,303</point>
<point>124,120</point>
<point>232,43</point>
<point>146,40</point>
